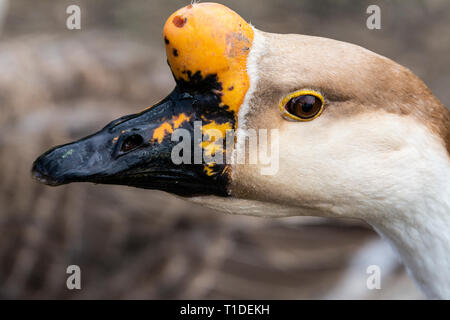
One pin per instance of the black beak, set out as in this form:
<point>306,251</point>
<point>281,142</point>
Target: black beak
<point>136,150</point>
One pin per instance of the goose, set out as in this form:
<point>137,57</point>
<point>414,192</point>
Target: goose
<point>359,136</point>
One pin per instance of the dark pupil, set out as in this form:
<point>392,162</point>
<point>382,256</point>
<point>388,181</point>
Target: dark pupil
<point>305,106</point>
<point>131,142</point>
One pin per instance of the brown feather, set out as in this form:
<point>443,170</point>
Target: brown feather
<point>351,78</point>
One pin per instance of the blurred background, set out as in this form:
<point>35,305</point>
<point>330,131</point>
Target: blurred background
<point>58,85</point>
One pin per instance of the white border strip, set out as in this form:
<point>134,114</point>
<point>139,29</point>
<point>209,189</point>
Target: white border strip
<point>257,50</point>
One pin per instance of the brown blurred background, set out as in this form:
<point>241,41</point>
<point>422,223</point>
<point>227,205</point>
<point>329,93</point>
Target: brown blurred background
<point>57,85</point>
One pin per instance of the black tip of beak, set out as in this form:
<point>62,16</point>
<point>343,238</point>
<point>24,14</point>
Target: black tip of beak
<point>41,173</point>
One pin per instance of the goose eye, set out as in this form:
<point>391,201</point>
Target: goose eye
<point>132,142</point>
<point>303,105</point>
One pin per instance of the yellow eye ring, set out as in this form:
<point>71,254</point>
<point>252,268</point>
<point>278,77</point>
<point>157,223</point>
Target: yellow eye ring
<point>302,105</point>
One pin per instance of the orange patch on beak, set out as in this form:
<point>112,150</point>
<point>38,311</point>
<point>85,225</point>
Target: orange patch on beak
<point>210,39</point>
<point>212,145</point>
<point>161,131</point>
<point>177,121</point>
<point>168,127</point>
<point>209,170</point>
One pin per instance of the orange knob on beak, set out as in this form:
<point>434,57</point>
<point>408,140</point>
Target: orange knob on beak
<point>207,46</point>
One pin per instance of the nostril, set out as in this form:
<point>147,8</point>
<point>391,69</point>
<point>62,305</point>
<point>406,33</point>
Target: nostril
<point>132,142</point>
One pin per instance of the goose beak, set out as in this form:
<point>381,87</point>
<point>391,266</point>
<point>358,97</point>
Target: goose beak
<point>136,150</point>
<point>207,47</point>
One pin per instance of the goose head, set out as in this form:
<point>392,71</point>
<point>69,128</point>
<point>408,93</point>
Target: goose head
<point>334,130</point>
